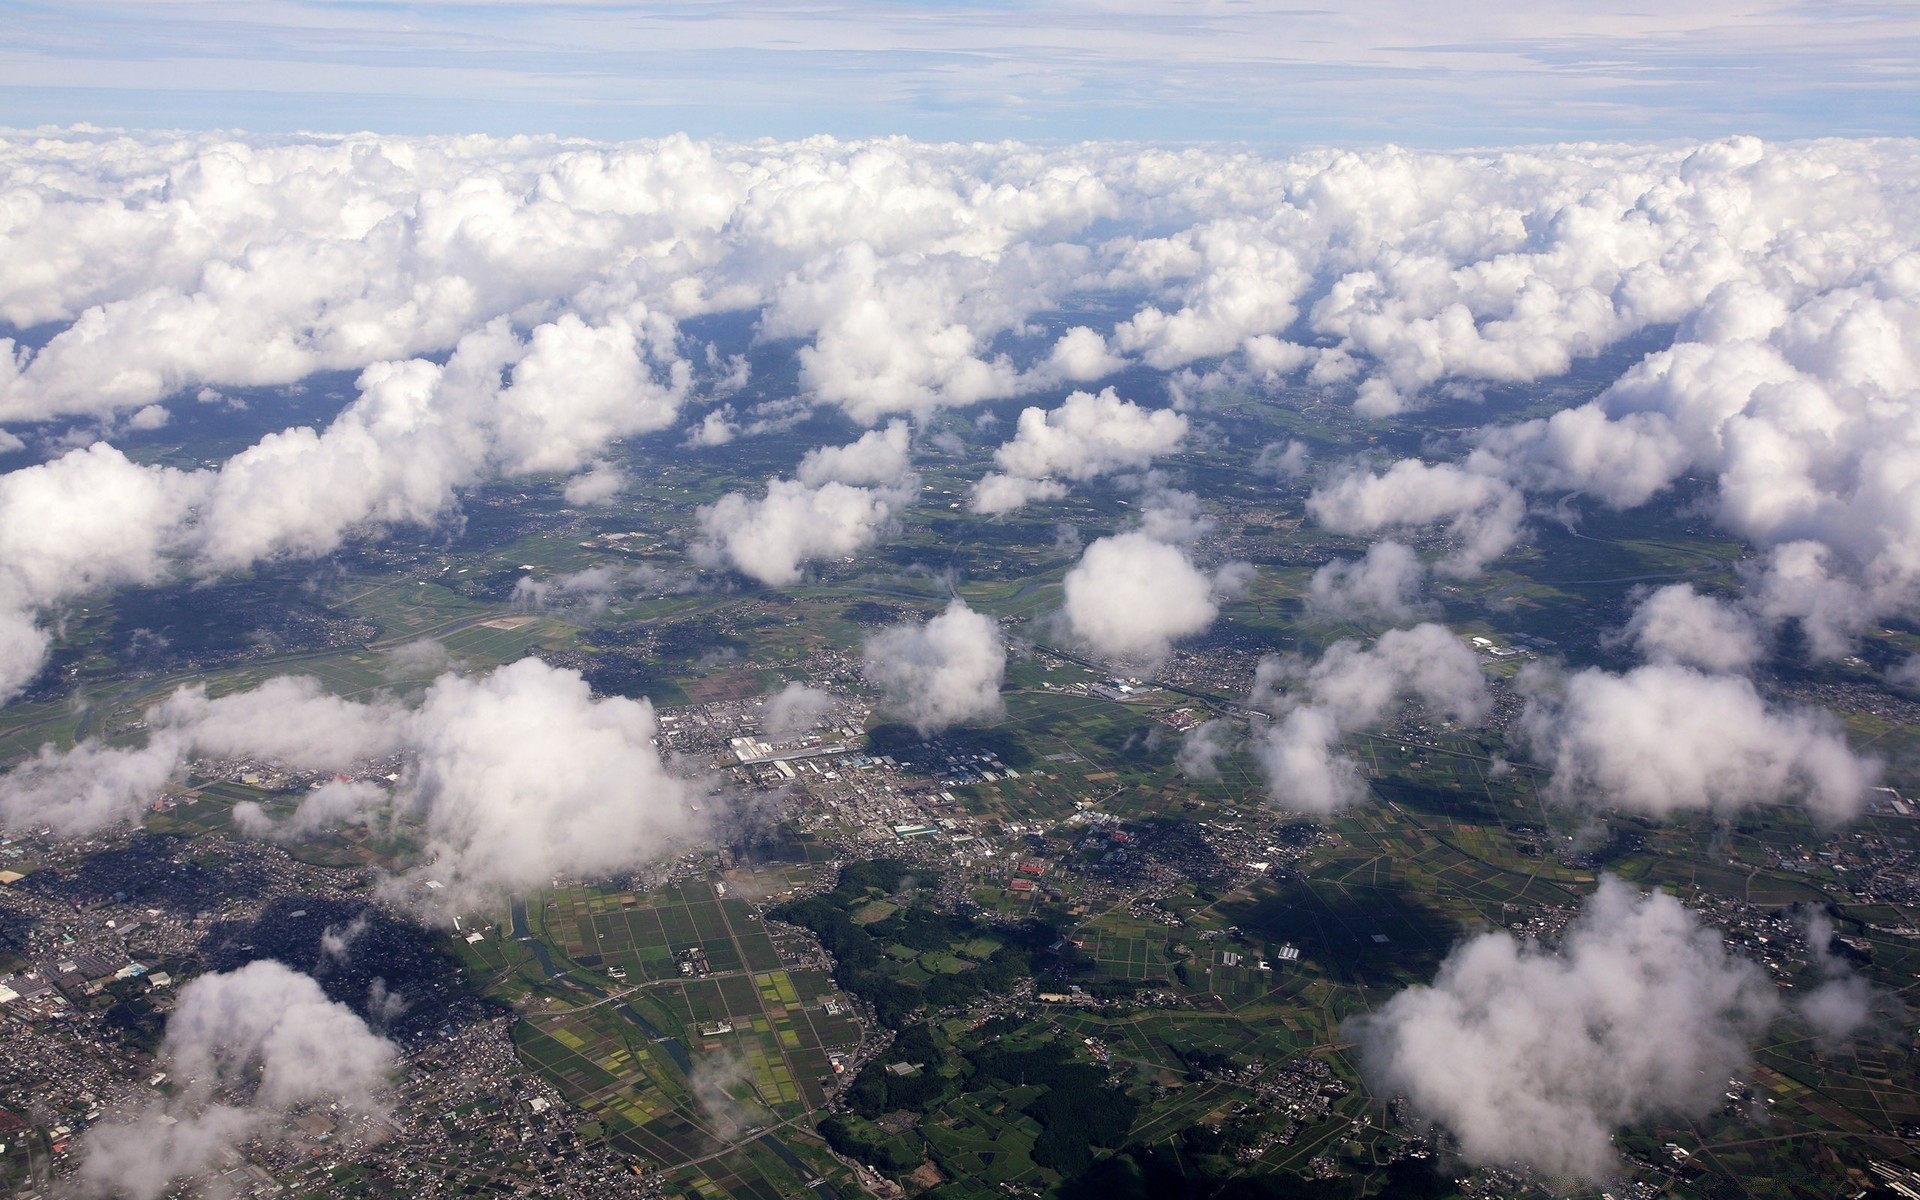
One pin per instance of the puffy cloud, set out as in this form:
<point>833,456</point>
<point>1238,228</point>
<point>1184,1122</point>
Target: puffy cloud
<point>943,673</point>
<point>769,539</point>
<point>1678,625</point>
<point>1482,513</point>
<point>829,511</point>
<point>591,589</point>
<point>1086,436</point>
<point>419,431</point>
<point>334,803</point>
<point>1283,460</point>
<point>879,458</point>
<point>1351,687</point>
<point>597,486</point>
<point>287,719</point>
<point>521,774</point>
<point>997,493</point>
<point>1385,584</point>
<point>264,1031</point>
<point>794,709</point>
<point>717,428</point>
<point>1842,1004</point>
<point>1170,515</point>
<point>86,520</point>
<point>513,777</point>
<point>1665,738</point>
<point>1131,596</point>
<point>514,306</point>
<point>87,788</point>
<point>1081,355</point>
<point>1202,749</point>
<point>1536,1056</point>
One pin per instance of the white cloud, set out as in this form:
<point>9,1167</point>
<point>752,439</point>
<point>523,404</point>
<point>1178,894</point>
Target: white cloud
<point>1283,460</point>
<point>1482,513</point>
<point>1676,624</point>
<point>943,673</point>
<point>597,486</point>
<point>590,590</point>
<point>1131,596</point>
<point>1905,673</point>
<point>771,538</point>
<point>1086,436</point>
<point>841,502</point>
<point>1841,1005</point>
<point>878,458</point>
<point>1352,687</point>
<point>512,777</point>
<point>521,774</point>
<point>794,709</point>
<point>265,1031</point>
<point>334,803</point>
<point>1665,738</point>
<point>287,719</point>
<point>89,519</point>
<point>515,306</point>
<point>1202,749</point>
<point>1536,1056</point>
<point>1385,584</point>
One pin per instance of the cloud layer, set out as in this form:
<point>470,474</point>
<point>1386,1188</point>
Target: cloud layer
<point>515,307</point>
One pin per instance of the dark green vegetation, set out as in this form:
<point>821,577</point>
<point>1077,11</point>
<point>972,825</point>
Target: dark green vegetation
<point>902,960</point>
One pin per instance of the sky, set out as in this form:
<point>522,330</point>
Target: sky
<point>1413,72</point>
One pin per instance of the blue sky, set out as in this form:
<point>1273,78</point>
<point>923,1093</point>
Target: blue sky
<point>1432,73</point>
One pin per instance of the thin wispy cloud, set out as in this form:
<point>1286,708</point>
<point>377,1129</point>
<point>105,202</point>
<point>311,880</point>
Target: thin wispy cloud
<point>1416,73</point>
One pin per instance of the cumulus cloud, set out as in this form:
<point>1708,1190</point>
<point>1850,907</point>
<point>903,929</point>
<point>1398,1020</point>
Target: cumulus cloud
<point>418,659</point>
<point>1905,673</point>
<point>1842,1004</point>
<point>1676,624</point>
<point>87,788</point>
<point>1131,596</point>
<point>288,719</point>
<point>943,673</point>
<point>596,487</point>
<point>1536,1056</point>
<point>772,538</point>
<point>1283,460</point>
<point>879,458</point>
<point>591,589</point>
<point>334,803</point>
<point>1666,738</point>
<point>1086,436</point>
<point>521,774</point>
<point>1482,514</point>
<point>1202,749</point>
<point>1351,687</point>
<point>516,306</point>
<point>89,519</point>
<point>512,777</point>
<point>246,1050</point>
<point>419,431</point>
<point>843,500</point>
<point>794,709</point>
<point>1384,585</point>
